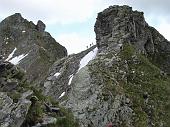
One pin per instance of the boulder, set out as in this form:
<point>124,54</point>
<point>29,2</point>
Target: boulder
<point>12,114</point>
<point>40,26</point>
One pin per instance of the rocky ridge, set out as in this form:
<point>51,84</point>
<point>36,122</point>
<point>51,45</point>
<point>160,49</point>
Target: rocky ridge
<point>124,82</point>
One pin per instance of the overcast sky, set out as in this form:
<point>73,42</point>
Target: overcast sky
<point>71,22</point>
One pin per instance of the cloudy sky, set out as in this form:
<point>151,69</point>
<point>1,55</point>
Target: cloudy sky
<point>71,22</point>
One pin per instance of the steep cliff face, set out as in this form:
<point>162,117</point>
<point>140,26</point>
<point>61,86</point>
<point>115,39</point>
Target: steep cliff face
<point>117,25</point>
<point>27,45</point>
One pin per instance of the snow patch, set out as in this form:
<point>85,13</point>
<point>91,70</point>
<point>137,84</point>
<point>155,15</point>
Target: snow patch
<point>16,60</point>
<point>90,56</point>
<point>70,79</point>
<point>11,55</point>
<point>56,74</point>
<point>62,95</point>
<point>6,43</point>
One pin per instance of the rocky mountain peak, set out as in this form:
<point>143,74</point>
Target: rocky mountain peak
<point>28,45</point>
<point>118,25</point>
<point>15,18</point>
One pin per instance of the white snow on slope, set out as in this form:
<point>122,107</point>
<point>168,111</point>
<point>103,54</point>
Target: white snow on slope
<point>84,61</point>
<point>90,56</point>
<point>11,55</point>
<point>62,95</point>
<point>70,79</point>
<point>16,60</point>
<point>57,74</point>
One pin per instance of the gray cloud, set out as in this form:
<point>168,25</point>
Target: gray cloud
<point>51,11</point>
<point>64,11</point>
<point>151,8</point>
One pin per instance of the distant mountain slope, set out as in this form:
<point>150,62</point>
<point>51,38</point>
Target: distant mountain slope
<point>29,46</point>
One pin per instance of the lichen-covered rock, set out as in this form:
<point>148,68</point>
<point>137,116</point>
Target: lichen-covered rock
<point>12,114</point>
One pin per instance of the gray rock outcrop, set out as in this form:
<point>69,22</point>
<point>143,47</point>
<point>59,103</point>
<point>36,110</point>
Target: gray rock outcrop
<point>11,113</point>
<point>120,24</point>
<point>14,104</point>
<point>23,105</point>
<point>40,26</point>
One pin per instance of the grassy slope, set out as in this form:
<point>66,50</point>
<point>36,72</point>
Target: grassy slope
<point>144,77</point>
<point>141,78</point>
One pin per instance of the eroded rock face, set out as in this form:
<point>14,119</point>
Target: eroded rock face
<point>92,97</point>
<point>117,25</point>
<point>29,46</point>
<point>93,106</point>
<point>120,24</point>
